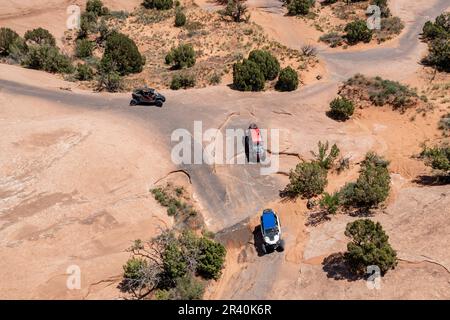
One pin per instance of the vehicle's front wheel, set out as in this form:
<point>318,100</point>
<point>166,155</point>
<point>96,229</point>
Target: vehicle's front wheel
<point>133,102</point>
<point>158,103</point>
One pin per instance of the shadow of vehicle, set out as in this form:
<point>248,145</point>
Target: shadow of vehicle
<point>246,149</point>
<point>258,241</point>
<point>437,180</point>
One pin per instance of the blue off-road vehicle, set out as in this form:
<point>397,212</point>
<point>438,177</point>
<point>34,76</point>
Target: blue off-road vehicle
<point>271,232</point>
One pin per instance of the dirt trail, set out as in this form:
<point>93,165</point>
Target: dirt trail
<point>249,273</point>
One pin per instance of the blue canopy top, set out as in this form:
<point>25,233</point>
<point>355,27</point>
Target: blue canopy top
<point>268,220</point>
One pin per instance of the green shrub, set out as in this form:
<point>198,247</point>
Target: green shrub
<point>236,10</point>
<point>123,52</point>
<point>170,263</point>
<point>330,202</point>
<point>180,18</point>
<point>18,50</point>
<point>247,76</point>
<point>287,80</point>
<point>341,109</point>
<point>171,210</point>
<point>215,79</point>
<point>158,4</point>
<point>439,29</point>
<point>84,72</point>
<point>40,36</point>
<point>437,157</point>
<point>357,31</point>
<point>438,34</point>
<point>110,80</point>
<point>181,57</point>
<point>267,63</point>
<point>443,21</point>
<point>134,268</point>
<point>88,24</point>
<point>392,25</point>
<point>372,186</point>
<point>175,265</point>
<point>108,76</point>
<point>211,258</point>
<point>380,91</point>
<point>324,158</point>
<point>84,48</point>
<point>96,7</point>
<point>333,39</point>
<point>47,58</point>
<point>431,31</point>
<point>392,92</point>
<point>187,288</point>
<point>163,294</point>
<point>7,38</point>
<point>369,246</point>
<point>439,54</point>
<point>308,180</point>
<point>182,81</point>
<point>300,7</point>
<point>104,31</point>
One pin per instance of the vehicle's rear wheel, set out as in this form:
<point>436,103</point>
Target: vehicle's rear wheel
<point>264,248</point>
<point>280,247</point>
<point>133,102</point>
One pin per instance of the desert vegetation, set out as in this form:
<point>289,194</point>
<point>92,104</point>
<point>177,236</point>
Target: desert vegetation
<point>365,91</point>
<point>309,178</point>
<point>369,246</point>
<point>172,266</point>
<point>155,43</point>
<point>369,191</point>
<point>100,53</point>
<point>176,264</point>
<point>299,7</point>
<point>357,31</point>
<point>287,80</point>
<point>37,50</point>
<point>261,66</point>
<point>437,35</point>
<point>344,22</point>
<point>372,186</point>
<point>341,109</point>
<point>236,11</point>
<point>181,57</point>
<point>158,4</point>
<point>179,205</point>
<point>438,158</point>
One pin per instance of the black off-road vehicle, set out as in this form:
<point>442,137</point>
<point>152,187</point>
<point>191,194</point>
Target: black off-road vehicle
<point>147,96</point>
